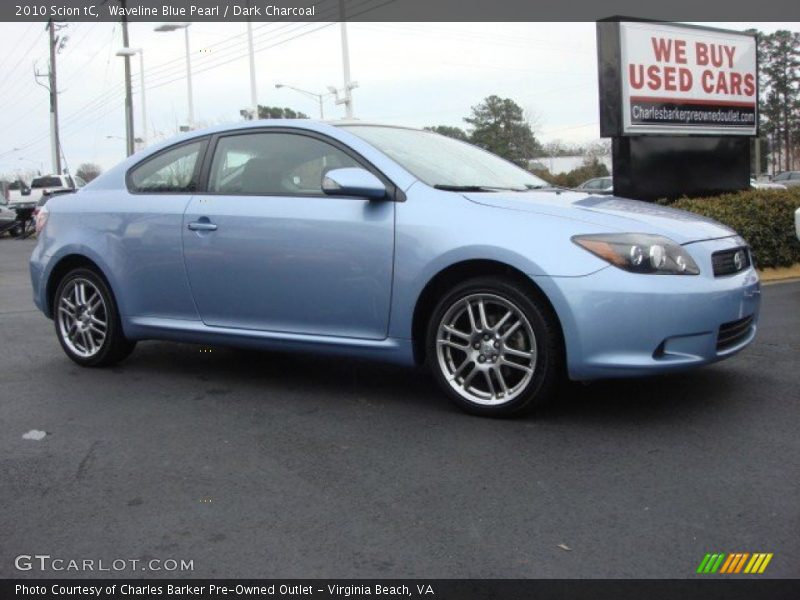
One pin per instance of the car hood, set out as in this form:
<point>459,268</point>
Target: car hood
<point>609,212</point>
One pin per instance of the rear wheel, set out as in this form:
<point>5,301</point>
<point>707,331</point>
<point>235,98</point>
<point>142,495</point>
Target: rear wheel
<point>87,321</point>
<point>494,348</point>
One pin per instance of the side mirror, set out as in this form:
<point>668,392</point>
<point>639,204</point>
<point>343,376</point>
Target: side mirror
<point>353,182</point>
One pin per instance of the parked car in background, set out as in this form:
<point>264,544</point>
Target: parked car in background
<point>388,243</point>
<point>788,178</point>
<point>765,185</point>
<point>7,215</point>
<point>598,185</point>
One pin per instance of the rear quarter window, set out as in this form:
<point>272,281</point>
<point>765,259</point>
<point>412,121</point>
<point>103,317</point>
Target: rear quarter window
<point>174,170</point>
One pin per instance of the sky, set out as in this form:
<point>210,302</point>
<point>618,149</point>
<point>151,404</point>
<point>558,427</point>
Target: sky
<point>414,74</point>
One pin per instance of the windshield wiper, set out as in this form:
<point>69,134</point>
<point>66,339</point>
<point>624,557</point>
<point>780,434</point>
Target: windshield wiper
<point>475,188</point>
<point>546,186</point>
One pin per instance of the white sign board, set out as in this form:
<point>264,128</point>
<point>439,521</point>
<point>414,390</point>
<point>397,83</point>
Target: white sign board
<point>678,79</point>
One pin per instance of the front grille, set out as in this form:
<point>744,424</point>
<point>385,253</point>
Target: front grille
<point>725,262</point>
<point>730,334</point>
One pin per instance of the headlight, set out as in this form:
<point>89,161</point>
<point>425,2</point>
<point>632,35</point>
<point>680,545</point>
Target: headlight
<point>639,253</point>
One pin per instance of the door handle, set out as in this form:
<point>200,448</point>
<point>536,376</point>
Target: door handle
<point>202,226</point>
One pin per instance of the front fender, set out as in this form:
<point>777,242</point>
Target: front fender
<point>436,230</point>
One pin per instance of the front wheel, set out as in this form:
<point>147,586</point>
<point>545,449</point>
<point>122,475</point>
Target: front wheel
<point>87,321</point>
<point>494,348</point>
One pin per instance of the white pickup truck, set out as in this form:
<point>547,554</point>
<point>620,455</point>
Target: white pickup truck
<point>42,188</point>
<point>25,200</point>
<point>44,185</point>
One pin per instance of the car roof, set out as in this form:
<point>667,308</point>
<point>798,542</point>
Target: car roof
<point>336,129</point>
<point>319,126</point>
<point>310,124</point>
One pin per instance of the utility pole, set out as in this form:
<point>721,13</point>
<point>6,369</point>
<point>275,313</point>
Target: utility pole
<point>55,141</point>
<point>348,96</point>
<point>56,44</point>
<point>129,134</point>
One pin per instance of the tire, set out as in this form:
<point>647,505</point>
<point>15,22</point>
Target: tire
<point>500,364</point>
<point>87,323</point>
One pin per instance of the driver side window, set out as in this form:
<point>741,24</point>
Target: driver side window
<point>273,164</point>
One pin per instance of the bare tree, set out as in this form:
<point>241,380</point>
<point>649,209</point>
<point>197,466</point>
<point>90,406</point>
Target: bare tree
<point>88,171</point>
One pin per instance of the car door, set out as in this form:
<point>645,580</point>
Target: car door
<point>265,249</point>
<point>147,220</point>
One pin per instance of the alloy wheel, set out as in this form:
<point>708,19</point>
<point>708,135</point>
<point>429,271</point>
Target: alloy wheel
<point>486,349</point>
<point>82,317</point>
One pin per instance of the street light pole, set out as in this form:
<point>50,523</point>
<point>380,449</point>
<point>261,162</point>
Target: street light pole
<point>253,94</point>
<point>144,101</point>
<point>317,97</point>
<point>185,27</point>
<point>127,53</point>
<point>348,96</point>
<point>189,75</point>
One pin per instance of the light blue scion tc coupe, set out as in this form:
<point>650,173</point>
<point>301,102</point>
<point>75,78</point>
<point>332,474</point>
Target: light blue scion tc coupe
<point>390,243</point>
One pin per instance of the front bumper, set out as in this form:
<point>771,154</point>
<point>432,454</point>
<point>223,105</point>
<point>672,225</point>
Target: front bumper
<point>620,324</point>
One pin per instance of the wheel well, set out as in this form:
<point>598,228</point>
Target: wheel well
<point>64,266</point>
<point>455,274</point>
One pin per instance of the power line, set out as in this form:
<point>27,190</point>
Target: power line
<point>80,116</point>
<point>160,73</point>
<point>21,58</point>
<point>233,39</point>
<point>16,45</point>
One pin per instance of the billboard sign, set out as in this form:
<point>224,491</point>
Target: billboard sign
<point>676,79</point>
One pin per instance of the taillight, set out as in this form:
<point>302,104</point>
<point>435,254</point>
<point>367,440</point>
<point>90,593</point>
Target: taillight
<point>41,218</point>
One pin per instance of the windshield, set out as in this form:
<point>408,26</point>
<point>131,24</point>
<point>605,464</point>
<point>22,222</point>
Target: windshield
<point>443,162</point>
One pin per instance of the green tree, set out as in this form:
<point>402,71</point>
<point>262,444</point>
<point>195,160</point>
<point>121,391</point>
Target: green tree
<point>779,59</point>
<point>273,112</point>
<point>449,131</point>
<point>590,169</point>
<point>499,125</point>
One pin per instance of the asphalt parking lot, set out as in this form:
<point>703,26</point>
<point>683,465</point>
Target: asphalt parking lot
<point>276,465</point>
